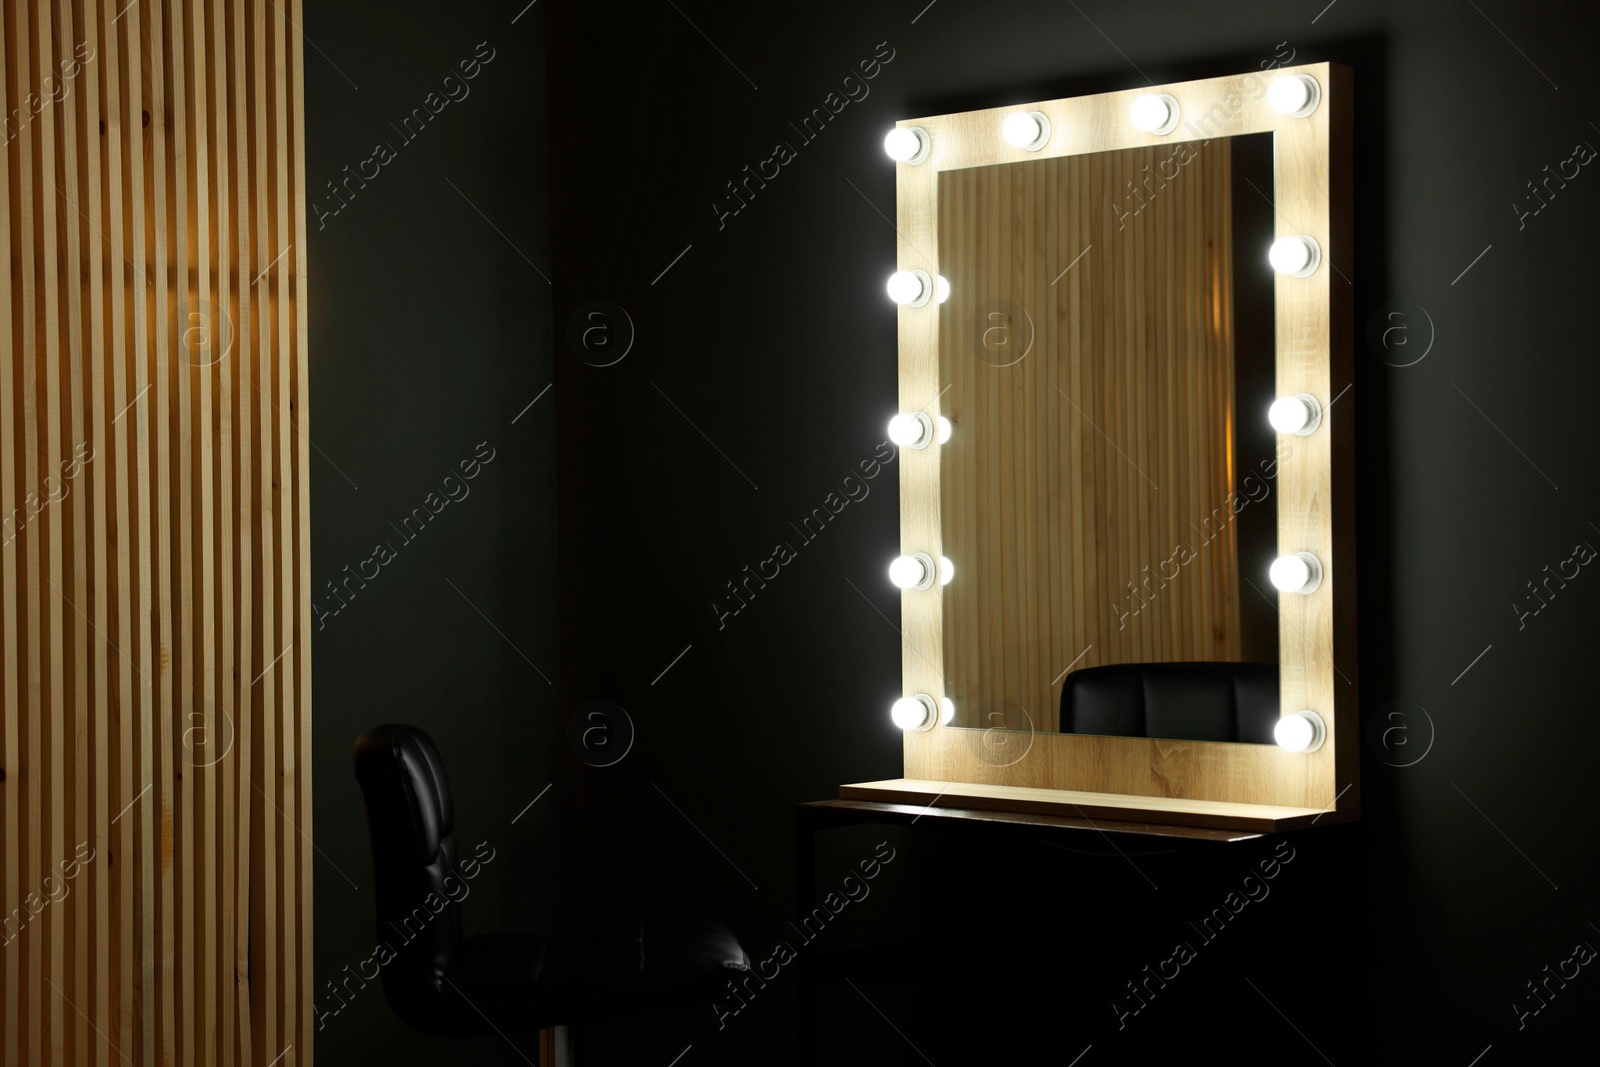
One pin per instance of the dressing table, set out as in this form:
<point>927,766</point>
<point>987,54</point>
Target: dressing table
<point>1126,448</point>
<point>1125,427</point>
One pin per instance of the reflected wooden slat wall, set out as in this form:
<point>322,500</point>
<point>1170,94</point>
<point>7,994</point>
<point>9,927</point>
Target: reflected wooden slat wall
<point>154,536</point>
<point>1091,458</point>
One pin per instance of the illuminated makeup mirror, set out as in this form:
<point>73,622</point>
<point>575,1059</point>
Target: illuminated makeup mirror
<point>1146,509</point>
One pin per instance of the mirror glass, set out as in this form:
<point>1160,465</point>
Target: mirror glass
<point>1107,352</point>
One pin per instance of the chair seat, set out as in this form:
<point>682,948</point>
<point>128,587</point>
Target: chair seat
<point>522,980</point>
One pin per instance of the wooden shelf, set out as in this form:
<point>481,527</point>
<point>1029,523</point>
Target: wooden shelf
<point>1117,807</point>
<point>827,813</point>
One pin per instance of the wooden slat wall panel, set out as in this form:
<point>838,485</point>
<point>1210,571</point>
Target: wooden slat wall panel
<point>154,536</point>
<point>1103,447</point>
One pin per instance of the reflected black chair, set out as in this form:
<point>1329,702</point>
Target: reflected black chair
<point>440,982</point>
<point>1178,701</point>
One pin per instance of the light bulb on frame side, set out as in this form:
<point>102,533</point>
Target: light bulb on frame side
<point>912,429</point>
<point>1294,94</point>
<point>1300,572</point>
<point>907,144</point>
<point>1299,414</point>
<point>916,571</point>
<point>1298,255</point>
<point>1304,731</point>
<point>1155,113</point>
<point>910,287</point>
<point>917,429</point>
<point>1026,129</point>
<point>914,712</point>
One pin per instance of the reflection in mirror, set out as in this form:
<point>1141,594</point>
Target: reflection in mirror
<point>1107,494</point>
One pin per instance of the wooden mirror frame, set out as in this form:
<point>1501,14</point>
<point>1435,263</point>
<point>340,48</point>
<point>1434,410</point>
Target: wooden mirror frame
<point>1238,786</point>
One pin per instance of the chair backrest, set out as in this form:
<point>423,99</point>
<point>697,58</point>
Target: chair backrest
<point>1181,701</point>
<point>411,822</point>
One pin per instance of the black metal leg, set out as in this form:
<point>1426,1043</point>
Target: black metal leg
<point>805,863</point>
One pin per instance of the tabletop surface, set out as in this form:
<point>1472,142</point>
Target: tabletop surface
<point>858,811</point>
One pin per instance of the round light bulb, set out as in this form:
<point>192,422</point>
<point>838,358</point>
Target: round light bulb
<point>944,428</point>
<point>941,288</point>
<point>913,712</point>
<point>1299,573</point>
<point>904,287</point>
<point>913,288</point>
<point>1294,94</point>
<point>1299,414</point>
<point>912,429</point>
<point>947,712</point>
<point>907,144</point>
<point>1154,113</point>
<point>1303,731</point>
<point>947,570</point>
<point>900,144</point>
<point>912,572</point>
<point>1026,129</point>
<point>1296,254</point>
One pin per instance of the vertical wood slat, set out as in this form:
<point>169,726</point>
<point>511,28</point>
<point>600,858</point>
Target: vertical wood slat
<point>11,700</point>
<point>33,769</point>
<point>263,920</point>
<point>161,105</point>
<point>136,411</point>
<point>72,786</point>
<point>238,975</point>
<point>220,806</point>
<point>96,929</point>
<point>50,414</point>
<point>1154,344</point>
<point>294,192</point>
<point>154,535</point>
<point>283,511</point>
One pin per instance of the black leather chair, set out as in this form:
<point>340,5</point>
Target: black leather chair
<point>441,982</point>
<point>1181,701</point>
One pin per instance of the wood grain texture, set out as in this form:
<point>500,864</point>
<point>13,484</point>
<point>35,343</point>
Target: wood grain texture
<point>1086,490</point>
<point>1315,489</point>
<point>153,172</point>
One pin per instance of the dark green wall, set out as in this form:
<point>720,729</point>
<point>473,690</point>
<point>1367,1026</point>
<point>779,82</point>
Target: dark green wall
<point>430,331</point>
<point>760,376</point>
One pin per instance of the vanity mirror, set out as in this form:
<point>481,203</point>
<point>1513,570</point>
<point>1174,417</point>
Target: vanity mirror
<point>1126,503</point>
<point>1107,354</point>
